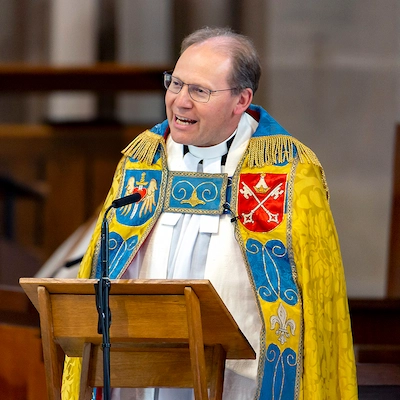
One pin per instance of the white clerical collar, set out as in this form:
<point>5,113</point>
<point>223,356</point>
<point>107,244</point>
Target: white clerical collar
<point>215,151</point>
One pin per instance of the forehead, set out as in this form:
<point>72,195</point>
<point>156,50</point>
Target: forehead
<point>204,63</point>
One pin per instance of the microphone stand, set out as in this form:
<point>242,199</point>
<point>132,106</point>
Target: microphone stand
<point>102,288</point>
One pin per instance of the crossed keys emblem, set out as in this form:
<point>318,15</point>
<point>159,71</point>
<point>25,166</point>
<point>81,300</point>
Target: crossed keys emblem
<point>264,195</point>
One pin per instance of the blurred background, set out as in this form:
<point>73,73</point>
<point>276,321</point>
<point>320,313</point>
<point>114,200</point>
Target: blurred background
<point>330,76</point>
<point>80,78</point>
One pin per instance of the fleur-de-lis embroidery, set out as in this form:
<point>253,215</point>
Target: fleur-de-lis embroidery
<point>283,324</point>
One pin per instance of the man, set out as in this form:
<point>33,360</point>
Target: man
<point>267,242</point>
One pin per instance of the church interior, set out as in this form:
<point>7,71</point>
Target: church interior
<point>79,79</point>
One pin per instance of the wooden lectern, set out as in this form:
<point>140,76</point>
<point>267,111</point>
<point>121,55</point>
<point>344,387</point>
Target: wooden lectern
<point>164,333</point>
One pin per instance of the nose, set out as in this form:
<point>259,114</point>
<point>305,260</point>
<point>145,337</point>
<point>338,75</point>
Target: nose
<point>183,98</point>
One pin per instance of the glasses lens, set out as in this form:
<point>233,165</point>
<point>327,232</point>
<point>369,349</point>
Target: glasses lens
<point>167,80</point>
<point>175,85</point>
<point>199,94</point>
<point>172,84</point>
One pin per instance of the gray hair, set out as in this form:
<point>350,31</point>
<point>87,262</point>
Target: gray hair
<point>246,69</point>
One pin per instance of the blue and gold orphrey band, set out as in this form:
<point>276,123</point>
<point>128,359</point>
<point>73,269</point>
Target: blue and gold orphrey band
<point>195,193</point>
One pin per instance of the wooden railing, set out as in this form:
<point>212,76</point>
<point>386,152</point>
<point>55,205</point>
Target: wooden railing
<point>96,78</point>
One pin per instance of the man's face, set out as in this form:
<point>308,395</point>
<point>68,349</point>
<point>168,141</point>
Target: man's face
<point>202,124</point>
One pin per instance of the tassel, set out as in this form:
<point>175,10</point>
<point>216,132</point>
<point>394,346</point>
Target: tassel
<point>144,147</point>
<point>278,149</point>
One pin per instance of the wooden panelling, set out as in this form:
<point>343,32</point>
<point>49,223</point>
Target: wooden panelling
<point>393,282</point>
<point>376,336</point>
<point>21,367</point>
<point>72,164</point>
<point>375,321</point>
<point>22,374</point>
<point>71,167</point>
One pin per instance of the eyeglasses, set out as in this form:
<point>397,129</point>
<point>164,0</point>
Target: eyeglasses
<point>196,92</point>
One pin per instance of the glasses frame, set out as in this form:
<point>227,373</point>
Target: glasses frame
<point>190,85</point>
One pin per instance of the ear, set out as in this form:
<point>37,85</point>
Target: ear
<point>244,100</point>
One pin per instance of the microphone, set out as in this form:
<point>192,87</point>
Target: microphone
<point>102,288</point>
<point>227,210</point>
<point>124,201</point>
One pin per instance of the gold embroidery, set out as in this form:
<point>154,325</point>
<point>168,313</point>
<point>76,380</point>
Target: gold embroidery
<point>193,200</point>
<point>144,147</point>
<point>278,149</point>
<point>184,188</point>
<point>261,186</point>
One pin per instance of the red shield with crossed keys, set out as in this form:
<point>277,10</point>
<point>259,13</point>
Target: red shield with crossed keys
<point>261,201</point>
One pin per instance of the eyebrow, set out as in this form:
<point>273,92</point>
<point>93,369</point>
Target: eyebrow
<point>193,84</point>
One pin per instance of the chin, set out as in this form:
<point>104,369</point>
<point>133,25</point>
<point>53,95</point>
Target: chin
<point>181,138</point>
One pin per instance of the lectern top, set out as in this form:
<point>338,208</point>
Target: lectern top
<point>202,287</point>
<point>137,305</point>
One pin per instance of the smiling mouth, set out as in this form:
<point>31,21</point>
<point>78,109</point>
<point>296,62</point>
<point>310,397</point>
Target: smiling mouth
<point>184,121</point>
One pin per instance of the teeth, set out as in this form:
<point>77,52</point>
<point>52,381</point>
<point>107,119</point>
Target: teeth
<point>185,121</point>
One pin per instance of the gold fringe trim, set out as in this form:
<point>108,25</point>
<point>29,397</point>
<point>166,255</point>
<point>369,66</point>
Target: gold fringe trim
<point>277,149</point>
<point>144,147</point>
